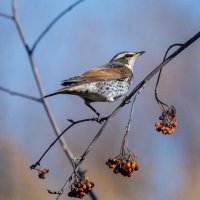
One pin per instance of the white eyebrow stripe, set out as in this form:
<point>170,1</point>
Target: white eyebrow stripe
<point>121,55</point>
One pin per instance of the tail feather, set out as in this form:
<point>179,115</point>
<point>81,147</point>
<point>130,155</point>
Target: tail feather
<point>49,95</point>
<point>61,91</point>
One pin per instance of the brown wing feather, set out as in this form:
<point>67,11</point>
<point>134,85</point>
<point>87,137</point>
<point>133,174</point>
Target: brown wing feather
<point>105,74</point>
<point>100,74</point>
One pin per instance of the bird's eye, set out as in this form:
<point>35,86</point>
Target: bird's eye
<point>127,56</point>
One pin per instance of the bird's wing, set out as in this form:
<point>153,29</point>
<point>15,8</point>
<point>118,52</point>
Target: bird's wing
<point>109,71</point>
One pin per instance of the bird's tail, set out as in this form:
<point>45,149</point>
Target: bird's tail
<point>49,95</point>
<point>61,91</point>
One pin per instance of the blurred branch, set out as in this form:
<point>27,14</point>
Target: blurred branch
<point>11,92</point>
<point>6,16</point>
<point>37,77</point>
<point>40,85</point>
<point>127,100</point>
<point>53,22</point>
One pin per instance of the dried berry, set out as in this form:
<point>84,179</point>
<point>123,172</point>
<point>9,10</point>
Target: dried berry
<point>80,187</point>
<point>42,172</point>
<point>42,176</point>
<point>168,121</point>
<point>124,164</point>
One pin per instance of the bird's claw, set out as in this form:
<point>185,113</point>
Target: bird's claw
<point>98,119</point>
<point>101,119</point>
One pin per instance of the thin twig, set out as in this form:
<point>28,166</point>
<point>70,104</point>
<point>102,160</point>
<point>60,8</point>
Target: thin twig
<point>73,123</point>
<point>125,138</point>
<point>6,16</point>
<point>26,96</point>
<point>44,32</point>
<point>19,29</point>
<point>135,91</point>
<point>131,114</point>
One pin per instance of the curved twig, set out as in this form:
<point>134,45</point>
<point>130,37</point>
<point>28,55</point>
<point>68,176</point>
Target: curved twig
<point>44,32</point>
<point>170,47</point>
<point>161,103</point>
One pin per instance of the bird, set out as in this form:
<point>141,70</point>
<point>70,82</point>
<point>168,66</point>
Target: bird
<point>106,83</point>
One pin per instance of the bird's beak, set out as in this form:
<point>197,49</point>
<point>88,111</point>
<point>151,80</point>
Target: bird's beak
<point>140,53</point>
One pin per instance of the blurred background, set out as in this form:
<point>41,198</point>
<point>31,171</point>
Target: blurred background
<point>88,36</point>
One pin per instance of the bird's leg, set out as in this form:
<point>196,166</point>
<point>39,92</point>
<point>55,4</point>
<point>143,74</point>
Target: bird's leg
<point>87,103</point>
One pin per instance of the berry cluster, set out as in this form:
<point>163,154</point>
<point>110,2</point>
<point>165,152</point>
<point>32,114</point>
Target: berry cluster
<point>123,165</point>
<point>42,172</point>
<point>80,187</point>
<point>168,121</point>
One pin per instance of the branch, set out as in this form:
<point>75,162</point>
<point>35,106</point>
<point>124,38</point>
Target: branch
<point>73,123</point>
<point>6,16</point>
<point>11,92</point>
<point>44,32</point>
<point>40,86</point>
<point>134,92</point>
<point>19,29</point>
<point>39,83</point>
<point>131,115</point>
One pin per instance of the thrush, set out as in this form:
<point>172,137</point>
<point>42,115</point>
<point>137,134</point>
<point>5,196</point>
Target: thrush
<point>106,83</point>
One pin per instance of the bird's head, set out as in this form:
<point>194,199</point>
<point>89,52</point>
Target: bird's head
<point>128,58</point>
